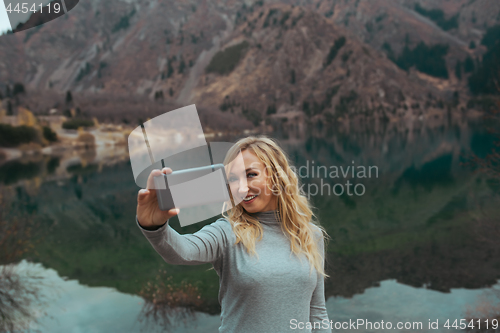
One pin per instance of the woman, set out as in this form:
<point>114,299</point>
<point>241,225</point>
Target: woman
<point>268,254</point>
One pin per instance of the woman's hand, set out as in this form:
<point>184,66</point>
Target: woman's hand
<point>148,212</point>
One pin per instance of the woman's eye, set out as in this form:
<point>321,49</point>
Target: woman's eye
<point>233,179</point>
<point>251,175</point>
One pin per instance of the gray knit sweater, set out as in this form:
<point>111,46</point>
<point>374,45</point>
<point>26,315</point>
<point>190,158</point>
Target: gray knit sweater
<point>272,293</point>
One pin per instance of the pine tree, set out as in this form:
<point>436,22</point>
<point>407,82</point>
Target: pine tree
<point>18,89</point>
<point>458,70</point>
<point>10,111</point>
<point>69,97</point>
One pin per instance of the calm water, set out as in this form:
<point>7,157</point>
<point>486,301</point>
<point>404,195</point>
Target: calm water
<point>416,240</point>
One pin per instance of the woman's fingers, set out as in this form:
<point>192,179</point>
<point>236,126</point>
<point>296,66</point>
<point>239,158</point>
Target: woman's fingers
<point>174,211</point>
<point>151,178</point>
<point>157,173</point>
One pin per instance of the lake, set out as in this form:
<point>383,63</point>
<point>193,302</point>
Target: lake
<point>413,230</point>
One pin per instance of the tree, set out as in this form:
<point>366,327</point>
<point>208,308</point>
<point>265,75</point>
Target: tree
<point>182,66</point>
<point>458,70</point>
<point>427,59</point>
<point>158,95</point>
<point>306,108</point>
<point>49,134</point>
<point>18,89</point>
<point>271,109</point>
<point>337,45</point>
<point>170,69</point>
<point>10,111</point>
<point>468,65</point>
<point>69,97</point>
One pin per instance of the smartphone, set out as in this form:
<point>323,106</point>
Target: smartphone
<point>192,187</point>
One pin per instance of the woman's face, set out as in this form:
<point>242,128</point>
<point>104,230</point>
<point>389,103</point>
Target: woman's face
<point>249,183</point>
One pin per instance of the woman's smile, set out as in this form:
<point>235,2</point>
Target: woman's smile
<point>249,199</point>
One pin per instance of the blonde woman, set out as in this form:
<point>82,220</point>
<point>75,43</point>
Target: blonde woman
<point>268,254</point>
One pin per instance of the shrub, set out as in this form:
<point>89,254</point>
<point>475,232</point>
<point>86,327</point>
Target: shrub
<point>49,134</point>
<point>12,136</point>
<point>86,138</point>
<point>77,122</point>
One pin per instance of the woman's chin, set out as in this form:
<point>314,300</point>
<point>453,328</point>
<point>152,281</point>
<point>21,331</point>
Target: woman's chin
<point>251,209</point>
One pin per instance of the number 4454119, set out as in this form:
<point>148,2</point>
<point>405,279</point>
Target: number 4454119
<point>462,324</point>
<point>24,8</point>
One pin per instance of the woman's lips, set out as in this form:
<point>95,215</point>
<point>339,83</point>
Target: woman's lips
<point>251,200</point>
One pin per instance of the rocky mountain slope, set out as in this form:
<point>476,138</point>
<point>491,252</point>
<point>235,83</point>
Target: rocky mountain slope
<point>329,59</point>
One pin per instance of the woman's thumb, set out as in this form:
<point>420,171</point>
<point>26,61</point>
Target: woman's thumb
<point>174,211</point>
<point>143,194</point>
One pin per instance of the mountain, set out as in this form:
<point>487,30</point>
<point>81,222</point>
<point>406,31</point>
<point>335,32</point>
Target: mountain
<point>293,59</point>
<point>325,59</point>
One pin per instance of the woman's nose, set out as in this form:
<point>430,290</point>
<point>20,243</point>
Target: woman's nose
<point>243,187</point>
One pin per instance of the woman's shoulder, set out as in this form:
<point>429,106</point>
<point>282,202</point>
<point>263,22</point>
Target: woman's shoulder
<point>223,223</point>
<point>224,226</point>
<point>318,232</point>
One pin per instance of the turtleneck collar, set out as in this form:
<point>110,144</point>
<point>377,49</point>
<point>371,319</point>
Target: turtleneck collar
<point>270,217</point>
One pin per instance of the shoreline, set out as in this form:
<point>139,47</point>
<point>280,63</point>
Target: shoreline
<point>110,136</point>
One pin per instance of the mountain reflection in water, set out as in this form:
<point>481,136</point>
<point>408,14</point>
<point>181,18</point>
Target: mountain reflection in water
<point>77,308</point>
<point>426,220</point>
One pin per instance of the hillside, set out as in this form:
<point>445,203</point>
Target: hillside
<point>293,59</point>
<point>334,59</point>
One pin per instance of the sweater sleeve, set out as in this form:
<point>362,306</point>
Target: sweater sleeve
<point>318,312</point>
<point>204,246</point>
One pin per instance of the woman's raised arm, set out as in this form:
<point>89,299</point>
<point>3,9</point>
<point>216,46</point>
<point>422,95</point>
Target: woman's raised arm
<point>204,246</point>
<point>201,247</point>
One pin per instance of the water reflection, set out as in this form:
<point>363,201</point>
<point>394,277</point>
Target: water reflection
<point>426,220</point>
<point>166,304</point>
<point>73,307</point>
<point>392,302</point>
<point>79,308</point>
<point>20,297</point>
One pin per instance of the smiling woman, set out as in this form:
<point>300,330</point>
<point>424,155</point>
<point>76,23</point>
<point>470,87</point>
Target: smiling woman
<point>258,248</point>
